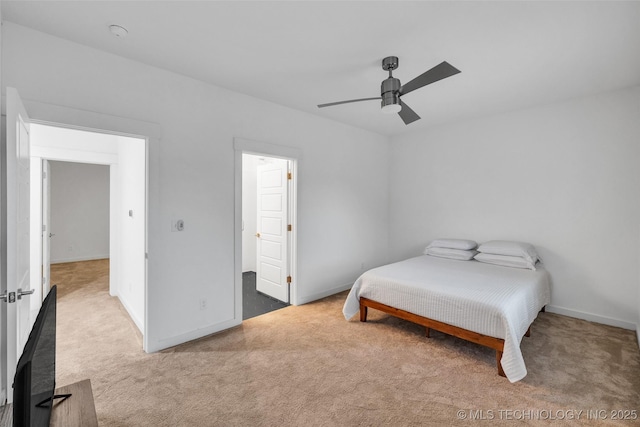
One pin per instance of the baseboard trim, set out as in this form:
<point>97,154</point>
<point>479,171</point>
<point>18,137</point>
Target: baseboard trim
<point>314,297</point>
<point>638,334</point>
<point>132,316</point>
<point>79,259</point>
<point>592,317</point>
<point>161,344</point>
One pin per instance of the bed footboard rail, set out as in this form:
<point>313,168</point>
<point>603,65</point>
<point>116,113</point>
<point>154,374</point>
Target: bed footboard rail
<point>485,340</point>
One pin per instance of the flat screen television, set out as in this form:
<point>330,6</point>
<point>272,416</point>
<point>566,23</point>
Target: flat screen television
<point>35,380</point>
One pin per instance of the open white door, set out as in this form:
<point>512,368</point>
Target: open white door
<point>16,329</point>
<point>271,248</point>
<point>46,231</point>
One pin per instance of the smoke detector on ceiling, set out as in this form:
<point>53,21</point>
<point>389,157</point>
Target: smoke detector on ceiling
<point>118,31</point>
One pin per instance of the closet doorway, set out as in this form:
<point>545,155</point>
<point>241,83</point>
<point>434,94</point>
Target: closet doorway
<point>268,206</point>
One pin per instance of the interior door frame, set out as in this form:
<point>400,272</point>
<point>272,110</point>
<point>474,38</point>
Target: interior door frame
<point>110,160</point>
<point>65,117</point>
<point>45,232</point>
<point>294,155</point>
<point>38,217</point>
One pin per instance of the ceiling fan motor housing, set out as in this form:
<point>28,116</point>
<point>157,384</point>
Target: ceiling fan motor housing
<point>390,87</point>
<point>390,91</point>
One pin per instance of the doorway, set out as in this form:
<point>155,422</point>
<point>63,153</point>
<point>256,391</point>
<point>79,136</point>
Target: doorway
<point>123,160</point>
<point>293,155</point>
<point>266,227</point>
<point>70,218</point>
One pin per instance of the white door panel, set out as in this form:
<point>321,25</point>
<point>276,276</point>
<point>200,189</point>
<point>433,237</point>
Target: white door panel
<point>271,263</point>
<point>18,325</point>
<point>271,250</point>
<point>271,226</point>
<point>271,273</point>
<point>271,179</point>
<point>271,202</point>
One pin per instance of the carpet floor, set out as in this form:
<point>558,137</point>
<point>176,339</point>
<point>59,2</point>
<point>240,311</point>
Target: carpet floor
<point>308,366</point>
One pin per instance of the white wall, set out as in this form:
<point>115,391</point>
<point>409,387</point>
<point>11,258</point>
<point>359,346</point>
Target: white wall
<point>563,177</point>
<point>130,219</point>
<point>79,211</point>
<point>343,188</point>
<point>249,211</point>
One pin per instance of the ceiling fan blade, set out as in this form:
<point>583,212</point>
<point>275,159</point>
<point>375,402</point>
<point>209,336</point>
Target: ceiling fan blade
<point>407,114</point>
<point>439,72</point>
<point>347,102</point>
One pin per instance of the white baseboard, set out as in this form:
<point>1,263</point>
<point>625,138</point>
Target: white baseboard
<point>592,317</point>
<point>78,259</point>
<point>132,315</point>
<point>314,297</point>
<point>154,345</point>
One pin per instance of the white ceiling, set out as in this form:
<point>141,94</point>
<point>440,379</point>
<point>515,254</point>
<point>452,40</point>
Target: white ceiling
<point>512,55</point>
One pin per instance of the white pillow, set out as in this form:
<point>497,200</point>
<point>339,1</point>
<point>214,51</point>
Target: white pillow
<point>505,260</point>
<point>504,247</point>
<point>465,245</point>
<point>458,254</point>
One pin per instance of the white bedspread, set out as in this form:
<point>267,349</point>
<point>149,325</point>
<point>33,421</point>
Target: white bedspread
<point>492,300</point>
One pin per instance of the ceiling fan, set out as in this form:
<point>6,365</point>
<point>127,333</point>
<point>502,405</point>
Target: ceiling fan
<point>391,90</point>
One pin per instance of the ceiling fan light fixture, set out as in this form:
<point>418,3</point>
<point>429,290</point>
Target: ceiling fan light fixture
<point>391,108</point>
<point>391,103</point>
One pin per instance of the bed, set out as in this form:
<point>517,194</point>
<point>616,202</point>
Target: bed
<point>487,304</point>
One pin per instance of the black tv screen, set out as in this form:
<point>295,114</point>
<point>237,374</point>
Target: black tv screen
<point>35,380</point>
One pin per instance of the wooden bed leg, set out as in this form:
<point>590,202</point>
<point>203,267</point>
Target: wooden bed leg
<point>363,312</point>
<point>427,332</point>
<point>498,359</point>
<point>528,333</point>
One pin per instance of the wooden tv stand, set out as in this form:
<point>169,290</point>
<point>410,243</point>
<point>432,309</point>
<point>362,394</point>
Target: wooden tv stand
<point>76,411</point>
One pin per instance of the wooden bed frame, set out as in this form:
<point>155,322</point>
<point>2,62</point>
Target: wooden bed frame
<point>495,343</point>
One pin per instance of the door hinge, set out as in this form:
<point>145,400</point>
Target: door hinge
<point>44,228</point>
<point>44,175</point>
<point>289,175</point>
<point>289,227</point>
<point>288,279</point>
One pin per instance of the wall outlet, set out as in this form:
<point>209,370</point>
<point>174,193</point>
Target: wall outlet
<point>203,304</point>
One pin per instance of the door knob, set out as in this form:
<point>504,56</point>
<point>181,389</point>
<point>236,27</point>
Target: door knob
<point>51,235</point>
<point>258,235</point>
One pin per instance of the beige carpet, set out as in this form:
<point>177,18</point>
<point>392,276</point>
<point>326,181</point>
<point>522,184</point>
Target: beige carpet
<point>307,366</point>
